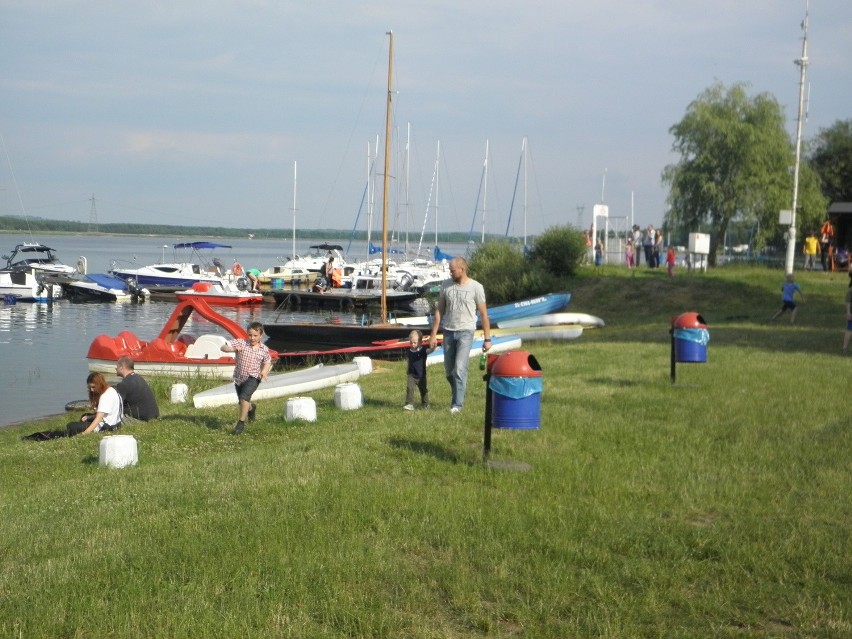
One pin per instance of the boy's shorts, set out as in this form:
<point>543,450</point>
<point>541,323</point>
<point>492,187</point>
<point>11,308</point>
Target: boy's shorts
<point>787,305</point>
<point>247,388</point>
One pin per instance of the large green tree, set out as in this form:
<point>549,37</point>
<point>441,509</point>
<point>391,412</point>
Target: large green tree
<point>831,158</point>
<point>735,159</point>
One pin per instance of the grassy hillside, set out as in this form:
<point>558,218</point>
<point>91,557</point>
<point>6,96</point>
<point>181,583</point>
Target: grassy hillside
<point>714,507</point>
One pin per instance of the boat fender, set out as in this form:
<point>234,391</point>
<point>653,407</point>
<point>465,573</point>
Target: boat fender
<point>295,300</point>
<point>242,283</point>
<point>237,269</point>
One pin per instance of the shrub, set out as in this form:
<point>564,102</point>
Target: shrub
<point>507,275</point>
<point>559,250</point>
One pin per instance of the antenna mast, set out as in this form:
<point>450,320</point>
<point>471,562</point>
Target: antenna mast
<point>802,63</point>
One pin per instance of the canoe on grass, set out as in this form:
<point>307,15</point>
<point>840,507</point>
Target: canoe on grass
<point>532,333</point>
<point>499,344</point>
<point>283,384</point>
<point>554,319</point>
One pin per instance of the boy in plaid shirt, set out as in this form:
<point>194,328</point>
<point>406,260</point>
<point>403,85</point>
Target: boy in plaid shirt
<point>253,363</point>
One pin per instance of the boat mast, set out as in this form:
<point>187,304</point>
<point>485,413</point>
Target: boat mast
<point>484,190</point>
<point>524,152</point>
<point>294,210</point>
<point>802,63</point>
<point>384,308</point>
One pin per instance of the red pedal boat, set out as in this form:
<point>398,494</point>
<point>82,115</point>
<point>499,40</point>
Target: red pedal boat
<point>172,352</point>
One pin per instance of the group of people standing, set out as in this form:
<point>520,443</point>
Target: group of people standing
<point>824,244</point>
<point>648,241</point>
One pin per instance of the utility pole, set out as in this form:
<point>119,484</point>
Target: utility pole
<point>93,216</point>
<point>802,63</point>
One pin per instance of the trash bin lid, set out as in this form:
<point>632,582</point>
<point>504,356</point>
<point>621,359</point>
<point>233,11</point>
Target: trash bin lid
<point>688,320</point>
<point>516,364</point>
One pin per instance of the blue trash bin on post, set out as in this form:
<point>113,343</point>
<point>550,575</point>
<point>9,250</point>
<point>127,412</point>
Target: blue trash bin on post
<point>690,338</point>
<point>689,341</point>
<point>515,385</point>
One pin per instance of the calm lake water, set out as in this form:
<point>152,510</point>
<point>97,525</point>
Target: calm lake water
<point>43,346</point>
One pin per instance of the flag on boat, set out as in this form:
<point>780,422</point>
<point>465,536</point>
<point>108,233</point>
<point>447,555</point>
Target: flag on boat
<point>439,255</point>
<point>378,249</point>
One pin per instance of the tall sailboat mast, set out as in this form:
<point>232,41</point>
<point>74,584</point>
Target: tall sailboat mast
<point>294,210</point>
<point>803,66</point>
<point>384,307</point>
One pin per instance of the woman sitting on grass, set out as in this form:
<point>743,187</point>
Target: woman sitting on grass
<point>106,403</point>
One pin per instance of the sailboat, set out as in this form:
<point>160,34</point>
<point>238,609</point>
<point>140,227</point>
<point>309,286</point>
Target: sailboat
<point>329,337</point>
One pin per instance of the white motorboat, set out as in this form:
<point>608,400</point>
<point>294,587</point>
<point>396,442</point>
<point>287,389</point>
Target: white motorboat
<point>177,275</point>
<point>32,274</point>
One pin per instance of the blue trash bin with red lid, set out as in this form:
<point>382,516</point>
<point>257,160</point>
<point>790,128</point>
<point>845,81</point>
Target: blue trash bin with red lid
<point>515,383</point>
<point>691,336</point>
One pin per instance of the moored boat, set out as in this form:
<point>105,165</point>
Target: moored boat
<point>177,275</point>
<point>99,287</point>
<point>29,273</point>
<point>220,294</point>
<point>172,352</point>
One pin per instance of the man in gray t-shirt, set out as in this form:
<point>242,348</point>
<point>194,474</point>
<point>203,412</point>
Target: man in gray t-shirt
<point>460,298</point>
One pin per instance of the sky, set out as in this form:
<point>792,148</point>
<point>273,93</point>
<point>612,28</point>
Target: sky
<point>225,112</point>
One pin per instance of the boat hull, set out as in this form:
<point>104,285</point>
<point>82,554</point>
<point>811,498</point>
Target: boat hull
<point>221,299</point>
<point>541,333</point>
<point>25,286</point>
<point>196,368</point>
<point>555,319</point>
<point>499,344</point>
<point>282,385</point>
<point>303,336</point>
<point>531,307</point>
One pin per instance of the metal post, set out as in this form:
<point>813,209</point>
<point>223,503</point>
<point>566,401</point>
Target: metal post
<point>673,359</point>
<point>486,438</point>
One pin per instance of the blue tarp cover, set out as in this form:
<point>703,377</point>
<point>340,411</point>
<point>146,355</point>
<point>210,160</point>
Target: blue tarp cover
<point>201,245</point>
<point>515,387</point>
<point>107,281</point>
<point>697,335</point>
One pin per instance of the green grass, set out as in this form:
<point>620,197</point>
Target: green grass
<point>715,507</point>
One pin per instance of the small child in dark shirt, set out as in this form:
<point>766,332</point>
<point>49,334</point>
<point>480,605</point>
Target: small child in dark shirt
<point>416,371</point>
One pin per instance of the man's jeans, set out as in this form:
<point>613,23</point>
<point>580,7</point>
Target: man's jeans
<point>456,358</point>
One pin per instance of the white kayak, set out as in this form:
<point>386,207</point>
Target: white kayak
<point>283,384</point>
<point>532,333</point>
<point>555,319</point>
<point>499,344</point>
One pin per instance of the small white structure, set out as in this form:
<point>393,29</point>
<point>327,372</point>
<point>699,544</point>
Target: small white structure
<point>301,408</point>
<point>348,396</point>
<point>365,364</point>
<point>118,451</point>
<point>179,393</point>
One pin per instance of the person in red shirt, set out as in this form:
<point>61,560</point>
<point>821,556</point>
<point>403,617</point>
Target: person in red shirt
<point>826,236</point>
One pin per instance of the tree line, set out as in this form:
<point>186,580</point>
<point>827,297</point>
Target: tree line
<point>20,223</point>
<point>735,167</point>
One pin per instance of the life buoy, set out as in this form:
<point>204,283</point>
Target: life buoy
<point>237,269</point>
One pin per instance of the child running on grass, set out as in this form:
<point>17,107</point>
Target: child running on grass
<point>416,371</point>
<point>788,290</point>
<point>253,363</point>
